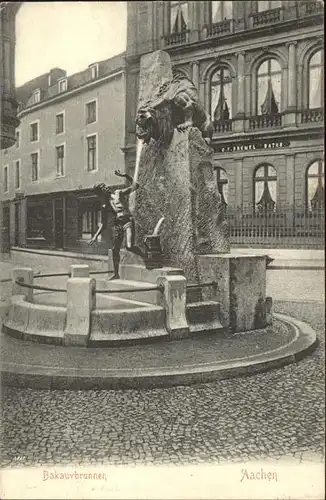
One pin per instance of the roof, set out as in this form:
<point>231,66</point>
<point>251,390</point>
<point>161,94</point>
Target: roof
<point>50,88</point>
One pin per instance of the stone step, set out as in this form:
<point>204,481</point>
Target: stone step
<point>203,316</point>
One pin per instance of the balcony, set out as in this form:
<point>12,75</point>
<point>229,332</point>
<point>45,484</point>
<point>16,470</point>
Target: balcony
<point>220,28</point>
<point>222,126</point>
<point>265,121</point>
<point>314,8</point>
<point>312,115</point>
<point>177,38</point>
<point>267,17</point>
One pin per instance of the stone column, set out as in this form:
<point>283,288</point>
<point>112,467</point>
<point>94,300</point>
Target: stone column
<point>174,302</point>
<point>79,271</point>
<point>25,275</point>
<point>292,75</point>
<point>291,86</point>
<point>81,300</point>
<point>240,110</point>
<point>195,74</point>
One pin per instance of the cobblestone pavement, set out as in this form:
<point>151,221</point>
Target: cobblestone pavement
<point>273,415</point>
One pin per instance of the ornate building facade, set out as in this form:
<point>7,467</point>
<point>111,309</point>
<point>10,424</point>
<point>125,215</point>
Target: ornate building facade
<point>258,67</point>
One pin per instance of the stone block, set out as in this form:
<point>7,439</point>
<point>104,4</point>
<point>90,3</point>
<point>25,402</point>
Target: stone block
<point>26,275</point>
<point>241,285</point>
<point>79,271</point>
<point>174,303</point>
<point>81,300</point>
<point>155,70</point>
<point>269,310</point>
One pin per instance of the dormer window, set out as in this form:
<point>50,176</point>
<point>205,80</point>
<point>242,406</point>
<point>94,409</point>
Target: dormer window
<point>62,85</point>
<point>94,71</point>
<point>36,96</point>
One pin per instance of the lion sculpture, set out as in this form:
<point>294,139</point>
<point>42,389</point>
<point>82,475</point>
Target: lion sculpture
<point>175,106</point>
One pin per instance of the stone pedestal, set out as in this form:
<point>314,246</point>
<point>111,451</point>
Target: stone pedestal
<point>81,300</point>
<point>178,183</point>
<point>241,287</point>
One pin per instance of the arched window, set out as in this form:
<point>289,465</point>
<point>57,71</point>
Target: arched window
<point>220,10</point>
<point>265,187</point>
<point>178,16</point>
<point>222,184</point>
<point>268,4</point>
<point>316,87</point>
<point>269,85</point>
<point>315,185</point>
<point>221,95</point>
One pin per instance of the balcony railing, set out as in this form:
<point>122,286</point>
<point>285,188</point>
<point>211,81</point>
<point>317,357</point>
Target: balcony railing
<point>267,17</point>
<point>221,126</point>
<point>177,38</point>
<point>285,226</point>
<point>314,7</point>
<point>265,121</point>
<point>312,115</point>
<point>219,28</point>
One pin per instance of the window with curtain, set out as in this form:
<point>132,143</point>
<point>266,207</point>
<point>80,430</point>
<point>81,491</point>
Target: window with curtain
<point>221,10</point>
<point>221,95</point>
<point>178,16</point>
<point>269,87</point>
<point>222,184</point>
<point>316,72</point>
<point>315,191</point>
<point>265,188</point>
<point>268,4</point>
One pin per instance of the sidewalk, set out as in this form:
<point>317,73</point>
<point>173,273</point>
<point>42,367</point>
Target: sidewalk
<point>287,256</point>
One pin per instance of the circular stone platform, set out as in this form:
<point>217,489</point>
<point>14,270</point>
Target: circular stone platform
<point>183,362</point>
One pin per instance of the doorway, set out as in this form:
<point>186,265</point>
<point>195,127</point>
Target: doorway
<point>58,224</point>
<point>5,230</point>
<point>17,224</point>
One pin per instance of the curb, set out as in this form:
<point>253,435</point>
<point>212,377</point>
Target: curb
<point>305,342</point>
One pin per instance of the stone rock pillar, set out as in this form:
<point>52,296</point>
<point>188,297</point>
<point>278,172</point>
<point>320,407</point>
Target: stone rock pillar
<point>177,182</point>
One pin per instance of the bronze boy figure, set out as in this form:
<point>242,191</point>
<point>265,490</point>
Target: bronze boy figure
<point>117,202</point>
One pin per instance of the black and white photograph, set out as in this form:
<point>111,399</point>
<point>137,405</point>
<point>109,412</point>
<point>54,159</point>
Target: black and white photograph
<point>162,269</point>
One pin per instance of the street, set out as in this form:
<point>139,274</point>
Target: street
<point>274,415</point>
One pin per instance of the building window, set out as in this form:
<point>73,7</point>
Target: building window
<point>62,84</point>
<point>91,112</point>
<point>315,190</point>
<point>35,166</point>
<point>60,156</point>
<point>221,95</point>
<point>91,153</point>
<point>178,16</point>
<point>17,174</point>
<point>94,71</point>
<point>222,184</point>
<point>316,85</point>
<point>34,132</point>
<point>59,123</point>
<point>269,85</point>
<point>268,5</point>
<point>90,221</point>
<point>36,96</point>
<point>265,187</point>
<point>220,11</point>
<point>5,179</point>
<point>17,139</point>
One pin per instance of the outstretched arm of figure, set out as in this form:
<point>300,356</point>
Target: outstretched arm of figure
<point>129,189</point>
